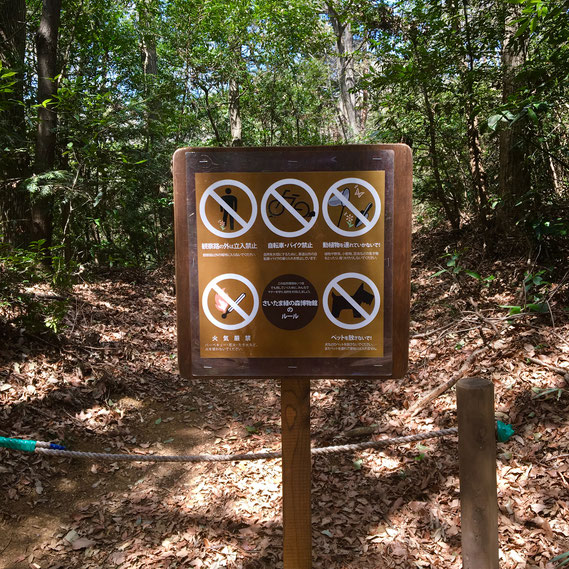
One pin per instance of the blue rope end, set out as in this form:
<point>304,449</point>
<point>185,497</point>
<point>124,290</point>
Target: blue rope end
<point>504,431</point>
<point>56,446</point>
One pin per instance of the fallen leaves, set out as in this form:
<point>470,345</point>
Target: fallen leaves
<point>112,384</point>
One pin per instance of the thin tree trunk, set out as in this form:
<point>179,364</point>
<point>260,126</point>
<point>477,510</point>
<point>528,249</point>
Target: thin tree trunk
<point>514,174</point>
<point>150,71</point>
<point>235,114</point>
<point>450,209</point>
<point>153,112</point>
<point>346,74</point>
<point>477,172</point>
<point>46,45</point>
<point>210,116</point>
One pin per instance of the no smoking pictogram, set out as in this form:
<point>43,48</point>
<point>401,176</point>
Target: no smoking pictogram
<point>335,196</point>
<point>275,203</point>
<point>230,304</point>
<point>228,205</point>
<point>355,299</point>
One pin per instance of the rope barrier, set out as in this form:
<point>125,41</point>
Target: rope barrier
<point>44,449</point>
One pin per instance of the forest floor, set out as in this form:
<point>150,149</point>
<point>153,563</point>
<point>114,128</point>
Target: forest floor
<point>110,383</point>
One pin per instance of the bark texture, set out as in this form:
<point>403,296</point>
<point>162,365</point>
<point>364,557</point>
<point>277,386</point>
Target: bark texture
<point>346,75</point>
<point>235,114</point>
<point>514,174</point>
<point>46,45</point>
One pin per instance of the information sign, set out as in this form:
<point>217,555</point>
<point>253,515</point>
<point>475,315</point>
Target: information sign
<point>288,261</point>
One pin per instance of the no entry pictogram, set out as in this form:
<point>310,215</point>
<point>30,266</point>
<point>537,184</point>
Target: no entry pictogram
<point>228,206</point>
<point>290,202</point>
<point>355,301</point>
<point>225,304</point>
<point>340,195</point>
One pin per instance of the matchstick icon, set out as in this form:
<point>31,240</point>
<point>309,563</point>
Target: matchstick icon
<point>230,308</point>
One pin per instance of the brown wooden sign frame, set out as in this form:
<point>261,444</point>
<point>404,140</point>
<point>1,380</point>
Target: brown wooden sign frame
<point>189,161</point>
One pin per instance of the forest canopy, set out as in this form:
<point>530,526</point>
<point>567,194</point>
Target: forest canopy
<point>95,97</point>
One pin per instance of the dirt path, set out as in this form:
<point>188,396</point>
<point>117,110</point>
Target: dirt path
<point>112,384</point>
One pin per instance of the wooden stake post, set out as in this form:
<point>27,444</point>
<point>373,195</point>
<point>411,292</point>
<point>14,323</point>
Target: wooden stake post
<point>295,416</point>
<point>477,458</point>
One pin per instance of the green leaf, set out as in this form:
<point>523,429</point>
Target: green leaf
<point>495,120</point>
<point>473,274</point>
<point>532,115</point>
<point>358,464</point>
<point>523,27</point>
<point>539,307</point>
<point>513,309</point>
<point>327,532</point>
<point>438,273</point>
<point>158,421</point>
<point>252,429</point>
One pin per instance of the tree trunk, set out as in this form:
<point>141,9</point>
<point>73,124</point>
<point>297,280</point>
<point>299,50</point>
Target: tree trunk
<point>14,199</point>
<point>514,173</point>
<point>210,116</point>
<point>346,74</point>
<point>235,113</point>
<point>46,45</point>
<point>477,172</point>
<point>450,208</point>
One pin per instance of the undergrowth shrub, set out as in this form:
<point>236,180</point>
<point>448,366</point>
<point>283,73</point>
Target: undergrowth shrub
<point>21,269</point>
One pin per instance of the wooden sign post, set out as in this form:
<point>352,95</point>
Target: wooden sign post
<point>295,419</point>
<point>293,263</point>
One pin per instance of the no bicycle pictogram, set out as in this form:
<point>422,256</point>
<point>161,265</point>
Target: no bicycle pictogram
<point>346,297</point>
<point>344,195</point>
<point>239,302</point>
<point>290,211</point>
<point>230,223</point>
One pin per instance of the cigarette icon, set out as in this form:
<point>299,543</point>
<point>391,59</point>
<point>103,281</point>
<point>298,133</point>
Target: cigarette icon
<point>230,308</point>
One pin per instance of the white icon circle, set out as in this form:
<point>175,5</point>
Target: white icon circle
<point>334,193</point>
<point>289,207</point>
<point>245,225</point>
<point>351,303</point>
<point>213,286</point>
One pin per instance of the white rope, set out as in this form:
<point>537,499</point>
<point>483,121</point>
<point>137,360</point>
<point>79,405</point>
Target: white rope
<point>100,456</point>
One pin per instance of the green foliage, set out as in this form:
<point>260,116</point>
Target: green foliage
<point>139,79</point>
<point>454,268</point>
<point>535,291</point>
<point>21,269</point>
<point>422,450</point>
<point>547,392</point>
<point>7,81</point>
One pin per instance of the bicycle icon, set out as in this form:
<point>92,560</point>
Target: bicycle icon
<point>286,195</point>
<point>276,208</point>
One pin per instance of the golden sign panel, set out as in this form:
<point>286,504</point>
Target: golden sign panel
<point>287,262</point>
